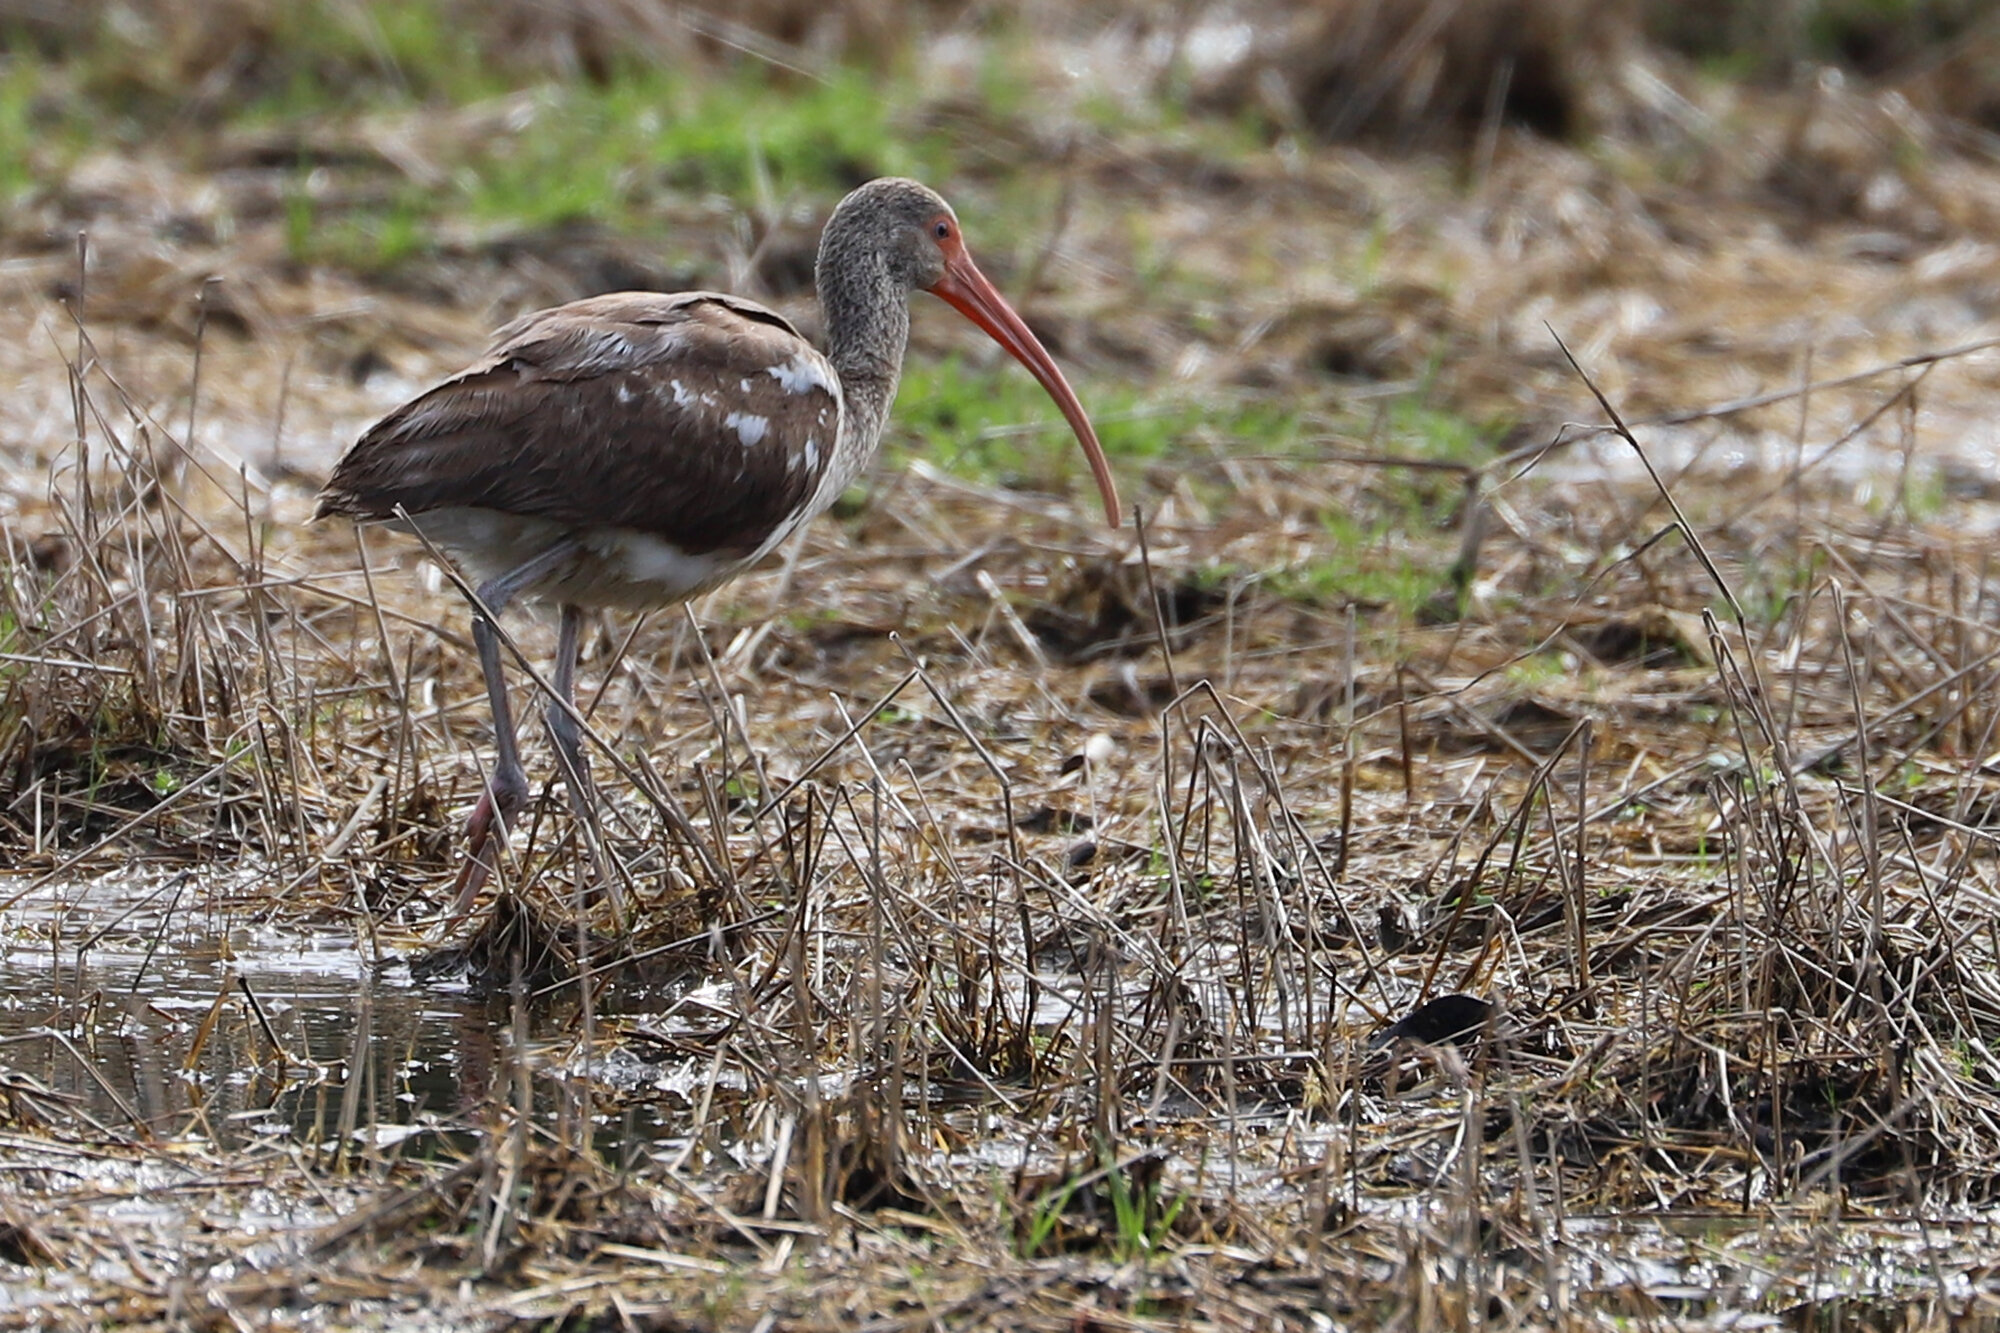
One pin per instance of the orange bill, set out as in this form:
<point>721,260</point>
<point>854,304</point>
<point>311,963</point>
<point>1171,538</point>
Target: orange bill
<point>968,292</point>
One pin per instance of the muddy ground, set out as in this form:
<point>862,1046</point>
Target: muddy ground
<point>1021,910</point>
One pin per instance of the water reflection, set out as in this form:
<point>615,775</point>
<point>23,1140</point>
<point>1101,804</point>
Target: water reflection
<point>124,1008</point>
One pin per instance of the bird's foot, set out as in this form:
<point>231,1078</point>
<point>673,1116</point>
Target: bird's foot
<point>505,796</point>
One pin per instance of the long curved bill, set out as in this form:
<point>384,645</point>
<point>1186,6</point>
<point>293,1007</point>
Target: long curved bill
<point>968,292</point>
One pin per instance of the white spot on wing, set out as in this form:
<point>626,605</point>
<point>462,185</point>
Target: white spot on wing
<point>749,427</point>
<point>682,395</point>
<point>812,455</point>
<point>624,392</point>
<point>802,374</point>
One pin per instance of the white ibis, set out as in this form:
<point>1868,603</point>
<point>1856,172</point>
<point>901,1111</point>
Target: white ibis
<point>637,449</point>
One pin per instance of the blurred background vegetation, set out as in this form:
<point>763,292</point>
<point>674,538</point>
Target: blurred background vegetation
<point>200,62</point>
<point>1249,226</point>
<point>651,97</point>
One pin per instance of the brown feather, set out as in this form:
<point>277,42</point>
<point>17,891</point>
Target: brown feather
<point>684,417</point>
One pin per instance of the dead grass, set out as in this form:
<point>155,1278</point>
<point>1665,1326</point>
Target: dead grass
<point>1064,961</point>
<point>1027,915</point>
<point>1451,74</point>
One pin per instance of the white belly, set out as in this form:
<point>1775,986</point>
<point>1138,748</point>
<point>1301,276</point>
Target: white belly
<point>612,567</point>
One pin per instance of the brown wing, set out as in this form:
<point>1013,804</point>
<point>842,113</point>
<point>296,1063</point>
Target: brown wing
<point>701,419</point>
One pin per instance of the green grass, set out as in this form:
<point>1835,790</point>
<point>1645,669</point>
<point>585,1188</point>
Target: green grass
<point>614,150</point>
<point>1391,547</point>
<point>42,131</point>
<point>369,240</point>
<point>1767,590</point>
<point>994,424</point>
<point>608,151</point>
<point>1142,1215</point>
<point>1742,38</point>
<point>18,85</point>
<point>1539,669</point>
<point>1364,560</point>
<point>1924,494</point>
<point>613,154</point>
<point>342,56</point>
<point>604,152</point>
<point>290,61</point>
<point>1418,429</point>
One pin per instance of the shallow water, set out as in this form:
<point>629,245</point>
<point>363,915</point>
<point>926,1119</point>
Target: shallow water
<point>154,1009</point>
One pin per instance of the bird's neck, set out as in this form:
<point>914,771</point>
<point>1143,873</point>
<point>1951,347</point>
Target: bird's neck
<point>867,332</point>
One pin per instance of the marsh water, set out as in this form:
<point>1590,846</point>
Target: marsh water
<point>149,1006</point>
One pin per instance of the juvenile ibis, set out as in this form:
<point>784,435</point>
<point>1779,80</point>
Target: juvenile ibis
<point>638,449</point>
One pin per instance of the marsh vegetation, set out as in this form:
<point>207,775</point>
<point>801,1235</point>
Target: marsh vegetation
<point>1564,446</point>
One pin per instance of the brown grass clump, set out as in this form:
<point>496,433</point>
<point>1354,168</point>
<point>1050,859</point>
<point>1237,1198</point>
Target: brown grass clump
<point>1875,40</point>
<point>1452,73</point>
<point>1960,79</point>
<point>1414,73</point>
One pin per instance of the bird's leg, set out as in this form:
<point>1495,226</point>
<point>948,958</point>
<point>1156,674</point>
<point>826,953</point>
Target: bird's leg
<point>562,712</point>
<point>565,731</point>
<point>507,787</point>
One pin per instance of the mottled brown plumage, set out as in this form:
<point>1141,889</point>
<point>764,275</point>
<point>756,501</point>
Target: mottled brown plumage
<point>627,411</point>
<point>636,449</point>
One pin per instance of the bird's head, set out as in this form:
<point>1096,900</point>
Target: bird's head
<point>915,236</point>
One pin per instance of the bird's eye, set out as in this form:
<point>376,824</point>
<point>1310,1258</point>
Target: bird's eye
<point>941,229</point>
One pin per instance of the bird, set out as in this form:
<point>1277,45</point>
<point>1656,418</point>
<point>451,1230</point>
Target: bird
<point>637,449</point>
<point>1455,1019</point>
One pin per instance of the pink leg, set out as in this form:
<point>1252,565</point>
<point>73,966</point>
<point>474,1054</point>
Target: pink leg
<point>506,790</point>
<point>507,787</point>
<point>568,737</point>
